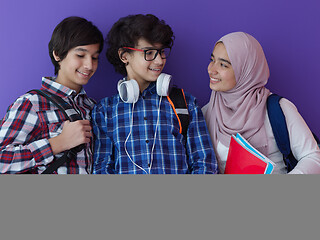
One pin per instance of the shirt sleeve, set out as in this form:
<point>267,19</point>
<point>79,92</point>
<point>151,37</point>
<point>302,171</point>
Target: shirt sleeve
<point>303,145</point>
<point>199,145</point>
<point>19,152</point>
<point>103,162</point>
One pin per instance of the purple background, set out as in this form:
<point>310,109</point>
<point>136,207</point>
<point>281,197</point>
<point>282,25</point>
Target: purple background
<point>289,32</point>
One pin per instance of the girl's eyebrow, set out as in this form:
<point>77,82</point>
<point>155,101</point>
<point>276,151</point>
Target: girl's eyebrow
<point>224,60</point>
<point>221,59</point>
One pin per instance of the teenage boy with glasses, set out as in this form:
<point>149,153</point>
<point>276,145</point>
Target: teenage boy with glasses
<point>137,131</point>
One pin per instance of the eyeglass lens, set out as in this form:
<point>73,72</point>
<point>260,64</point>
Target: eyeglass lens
<point>153,53</point>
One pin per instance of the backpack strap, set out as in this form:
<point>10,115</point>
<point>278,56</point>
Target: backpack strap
<point>316,138</point>
<point>71,115</point>
<point>179,105</point>
<point>68,111</point>
<point>280,130</point>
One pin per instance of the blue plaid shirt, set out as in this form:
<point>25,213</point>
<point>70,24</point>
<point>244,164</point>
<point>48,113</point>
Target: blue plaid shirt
<point>172,153</point>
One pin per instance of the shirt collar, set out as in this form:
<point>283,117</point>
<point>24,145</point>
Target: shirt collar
<point>152,87</point>
<point>150,90</point>
<point>52,86</point>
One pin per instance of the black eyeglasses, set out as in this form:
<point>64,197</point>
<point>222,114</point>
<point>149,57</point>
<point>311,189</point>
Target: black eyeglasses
<point>151,54</point>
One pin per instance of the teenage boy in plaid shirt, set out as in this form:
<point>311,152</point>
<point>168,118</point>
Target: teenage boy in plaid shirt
<point>34,132</point>
<point>137,131</point>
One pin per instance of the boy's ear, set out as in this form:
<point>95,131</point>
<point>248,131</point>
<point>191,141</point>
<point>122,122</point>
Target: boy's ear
<point>123,55</point>
<point>56,57</point>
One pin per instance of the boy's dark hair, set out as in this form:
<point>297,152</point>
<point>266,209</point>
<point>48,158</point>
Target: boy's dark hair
<point>70,33</point>
<point>127,31</point>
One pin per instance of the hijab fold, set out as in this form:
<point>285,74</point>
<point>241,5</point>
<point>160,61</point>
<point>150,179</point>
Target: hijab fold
<point>243,108</point>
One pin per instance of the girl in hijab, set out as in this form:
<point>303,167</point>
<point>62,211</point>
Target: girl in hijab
<point>238,74</point>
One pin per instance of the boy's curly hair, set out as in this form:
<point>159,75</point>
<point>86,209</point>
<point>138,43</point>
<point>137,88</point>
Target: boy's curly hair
<point>127,31</point>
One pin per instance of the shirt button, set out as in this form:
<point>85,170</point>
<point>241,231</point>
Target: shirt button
<point>148,164</point>
<point>145,118</point>
<point>147,141</point>
<point>143,97</point>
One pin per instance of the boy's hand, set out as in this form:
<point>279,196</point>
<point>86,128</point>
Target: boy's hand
<point>72,135</point>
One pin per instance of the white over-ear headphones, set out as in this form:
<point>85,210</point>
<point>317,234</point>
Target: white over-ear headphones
<point>129,89</point>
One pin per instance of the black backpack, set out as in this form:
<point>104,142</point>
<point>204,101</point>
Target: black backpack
<point>71,116</point>
<point>280,131</point>
<point>178,102</point>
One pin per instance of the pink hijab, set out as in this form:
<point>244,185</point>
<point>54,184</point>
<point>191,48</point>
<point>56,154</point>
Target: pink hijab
<point>243,108</point>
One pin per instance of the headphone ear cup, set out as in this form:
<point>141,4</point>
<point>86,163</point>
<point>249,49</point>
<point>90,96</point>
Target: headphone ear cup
<point>163,82</point>
<point>128,91</point>
<point>119,83</point>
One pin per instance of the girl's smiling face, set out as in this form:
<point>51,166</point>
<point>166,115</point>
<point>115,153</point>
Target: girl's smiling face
<point>220,70</point>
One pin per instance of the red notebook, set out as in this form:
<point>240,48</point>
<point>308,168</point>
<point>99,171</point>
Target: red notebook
<point>243,158</point>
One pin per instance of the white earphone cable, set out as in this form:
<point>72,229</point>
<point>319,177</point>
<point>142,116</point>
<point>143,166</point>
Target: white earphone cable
<point>125,143</point>
<point>155,135</point>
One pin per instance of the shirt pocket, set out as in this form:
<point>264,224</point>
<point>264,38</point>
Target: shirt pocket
<point>51,122</point>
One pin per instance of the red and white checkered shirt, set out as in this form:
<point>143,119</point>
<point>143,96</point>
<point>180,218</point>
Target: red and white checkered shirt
<point>28,124</point>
